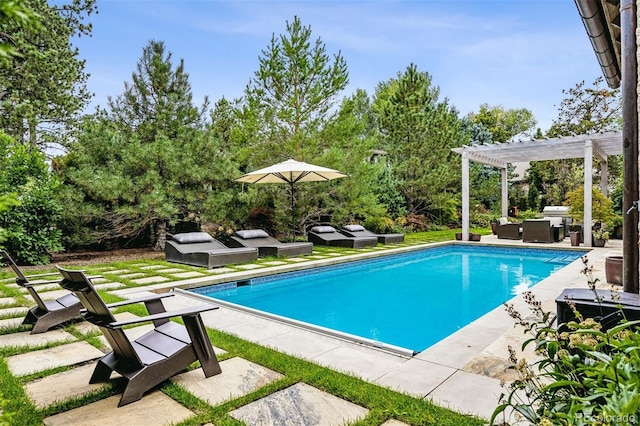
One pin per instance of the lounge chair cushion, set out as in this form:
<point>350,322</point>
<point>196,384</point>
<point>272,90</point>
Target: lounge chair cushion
<point>323,229</point>
<point>248,234</point>
<point>503,221</point>
<point>192,237</point>
<point>354,228</point>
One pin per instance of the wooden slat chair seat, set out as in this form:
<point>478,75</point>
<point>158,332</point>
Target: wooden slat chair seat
<point>155,356</point>
<point>45,314</point>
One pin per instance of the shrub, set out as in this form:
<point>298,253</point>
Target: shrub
<point>584,375</point>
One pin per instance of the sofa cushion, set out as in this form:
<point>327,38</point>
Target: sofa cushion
<point>323,229</point>
<point>354,228</point>
<point>503,221</point>
<point>192,237</point>
<point>248,234</point>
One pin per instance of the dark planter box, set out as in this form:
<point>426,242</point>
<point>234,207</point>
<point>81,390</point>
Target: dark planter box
<point>586,303</point>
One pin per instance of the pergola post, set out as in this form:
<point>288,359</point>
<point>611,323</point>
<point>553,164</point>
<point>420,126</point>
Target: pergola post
<point>505,193</point>
<point>465,196</point>
<point>604,177</point>
<point>588,192</point>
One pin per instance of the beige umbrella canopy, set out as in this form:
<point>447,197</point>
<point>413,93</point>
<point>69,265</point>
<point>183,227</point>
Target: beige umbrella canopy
<point>291,172</point>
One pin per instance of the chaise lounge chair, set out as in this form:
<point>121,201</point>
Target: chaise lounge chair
<point>47,314</point>
<point>361,231</point>
<point>328,236</point>
<point>153,357</point>
<point>201,249</point>
<point>267,245</point>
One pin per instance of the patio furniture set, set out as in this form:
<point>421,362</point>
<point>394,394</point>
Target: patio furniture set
<point>545,230</point>
<point>201,249</point>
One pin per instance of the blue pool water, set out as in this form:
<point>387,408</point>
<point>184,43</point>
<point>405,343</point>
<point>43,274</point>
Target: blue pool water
<point>411,300</point>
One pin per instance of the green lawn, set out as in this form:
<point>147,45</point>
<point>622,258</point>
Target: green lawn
<point>384,404</point>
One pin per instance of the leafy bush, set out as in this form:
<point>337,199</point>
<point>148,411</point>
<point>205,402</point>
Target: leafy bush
<point>30,226</point>
<point>584,375</point>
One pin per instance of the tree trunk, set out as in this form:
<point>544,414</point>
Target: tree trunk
<point>161,235</point>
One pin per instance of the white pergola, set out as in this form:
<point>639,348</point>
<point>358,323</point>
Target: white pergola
<point>600,145</point>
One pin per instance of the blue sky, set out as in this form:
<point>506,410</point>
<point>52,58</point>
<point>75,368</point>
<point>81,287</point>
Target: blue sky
<point>514,53</point>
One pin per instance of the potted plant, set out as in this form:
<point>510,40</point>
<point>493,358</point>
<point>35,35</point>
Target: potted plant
<point>601,211</point>
<point>600,236</point>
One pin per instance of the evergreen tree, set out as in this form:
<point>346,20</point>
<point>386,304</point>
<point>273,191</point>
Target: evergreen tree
<point>147,163</point>
<point>43,85</point>
<point>418,132</point>
<point>291,95</point>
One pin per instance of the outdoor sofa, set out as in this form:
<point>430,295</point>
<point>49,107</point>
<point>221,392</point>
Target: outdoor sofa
<point>361,231</point>
<point>329,236</point>
<point>201,249</point>
<point>545,230</point>
<point>267,245</point>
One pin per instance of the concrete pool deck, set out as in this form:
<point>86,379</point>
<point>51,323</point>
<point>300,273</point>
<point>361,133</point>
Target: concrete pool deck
<point>462,372</point>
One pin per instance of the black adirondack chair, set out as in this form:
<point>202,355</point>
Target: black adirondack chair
<point>154,357</point>
<point>45,314</point>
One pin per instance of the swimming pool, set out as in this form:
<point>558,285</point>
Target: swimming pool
<point>409,300</point>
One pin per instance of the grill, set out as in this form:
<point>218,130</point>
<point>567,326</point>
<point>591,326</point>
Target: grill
<point>559,211</point>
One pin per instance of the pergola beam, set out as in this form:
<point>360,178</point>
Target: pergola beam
<point>501,155</point>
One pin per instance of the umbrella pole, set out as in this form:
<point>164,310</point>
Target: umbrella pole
<point>293,216</point>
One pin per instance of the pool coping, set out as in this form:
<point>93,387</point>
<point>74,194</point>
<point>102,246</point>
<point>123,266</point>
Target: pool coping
<point>450,373</point>
<point>387,347</point>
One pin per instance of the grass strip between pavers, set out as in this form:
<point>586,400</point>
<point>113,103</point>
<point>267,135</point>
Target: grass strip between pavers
<point>384,404</point>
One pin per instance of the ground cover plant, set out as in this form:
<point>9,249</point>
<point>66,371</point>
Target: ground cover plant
<point>584,374</point>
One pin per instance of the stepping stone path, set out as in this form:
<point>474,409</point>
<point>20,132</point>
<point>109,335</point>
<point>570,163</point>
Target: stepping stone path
<point>239,377</point>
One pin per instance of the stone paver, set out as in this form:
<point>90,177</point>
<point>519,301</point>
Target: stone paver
<point>150,280</point>
<point>117,271</point>
<point>468,393</point>
<point>169,270</point>
<point>16,310</point>
<point>239,377</point>
<point>297,259</point>
<point>62,386</point>
<point>393,422</point>
<point>59,356</point>
<point>134,275</point>
<point>25,338</point>
<point>216,271</point>
<point>7,301</point>
<point>302,405</point>
<point>152,267</point>
<point>154,408</point>
<point>189,274</point>
<point>249,266</point>
<point>416,377</point>
<point>109,286</point>
<point>11,322</point>
<point>274,263</point>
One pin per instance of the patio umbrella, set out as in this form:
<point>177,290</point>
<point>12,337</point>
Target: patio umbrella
<point>291,172</point>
